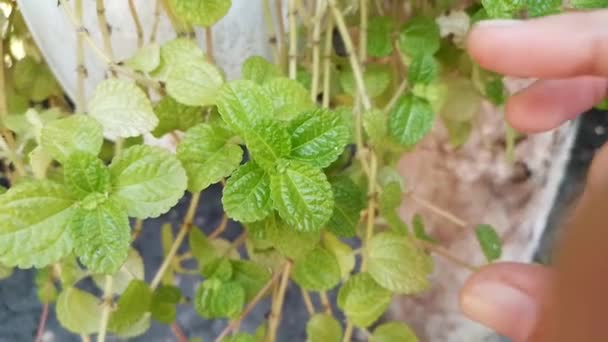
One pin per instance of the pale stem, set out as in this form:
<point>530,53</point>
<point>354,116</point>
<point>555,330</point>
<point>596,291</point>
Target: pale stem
<point>277,304</point>
<point>293,39</point>
<point>42,323</point>
<point>281,32</point>
<point>137,229</point>
<point>221,227</point>
<point>310,308</point>
<point>327,62</point>
<point>400,91</point>
<point>316,49</point>
<point>325,302</point>
<point>447,255</point>
<point>155,24</point>
<point>80,66</point>
<point>181,235</point>
<point>209,43</point>
<point>139,29</point>
<point>272,34</point>
<point>104,28</point>
<point>348,332</point>
<point>439,211</point>
<point>106,308</point>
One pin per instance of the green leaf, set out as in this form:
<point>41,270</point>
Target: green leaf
<point>81,133</point>
<point>268,141</point>
<point>410,120</point>
<point>420,231</point>
<point>318,137</point>
<point>194,82</point>
<point>538,8</point>
<point>458,131</point>
<point>132,269</point>
<point>584,4</point>
<point>101,236</point>
<point>462,101</point>
<point>78,311</point>
<point>377,79</point>
<point>208,155</point>
<point>241,103</point>
<point>218,268</point>
<point>34,79</point>
<point>362,300</point>
<point>343,253</point>
<point>45,286</point>
<point>349,201</point>
<point>259,70</point>
<point>247,194</point>
<point>323,328</point>
<point>200,246</point>
<point>122,108</point>
<point>302,195</point>
<point>147,180</point>
<point>201,12</point>
<point>602,105</point>
<point>146,59</point>
<point>176,52</point>
<point>389,202</point>
<point>489,241</point>
<point>34,230</point>
<point>420,36</point>
<point>318,270</point>
<point>393,332</point>
<point>132,306</point>
<point>289,97</point>
<point>503,8</point>
<point>166,239</point>
<point>163,305</point>
<point>424,69</point>
<point>251,276</point>
<point>288,241</point>
<point>85,174</point>
<point>215,299</point>
<point>174,116</point>
<point>136,329</point>
<point>397,264</point>
<point>379,40</point>
<point>5,272</point>
<point>375,123</point>
<point>71,272</point>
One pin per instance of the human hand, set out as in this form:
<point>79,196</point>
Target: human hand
<point>569,55</point>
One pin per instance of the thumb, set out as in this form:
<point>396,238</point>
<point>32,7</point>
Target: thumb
<point>508,298</point>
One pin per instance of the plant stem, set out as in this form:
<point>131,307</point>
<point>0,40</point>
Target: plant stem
<point>327,62</point>
<point>106,309</point>
<point>183,231</point>
<point>293,40</point>
<point>278,4</point>
<point>310,308</point>
<point>220,228</point>
<point>363,10</point>
<point>371,206</point>
<point>178,332</point>
<point>80,66</point>
<point>157,8</point>
<point>316,49</point>
<point>139,29</point>
<point>209,43</point>
<point>104,28</point>
<point>233,324</point>
<point>391,103</point>
<point>447,255</point>
<point>42,323</point>
<point>325,302</point>
<point>348,332</point>
<point>272,34</point>
<point>439,211</point>
<point>277,304</point>
<point>139,225</point>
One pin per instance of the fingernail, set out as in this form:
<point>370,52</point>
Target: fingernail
<point>504,308</point>
<point>499,23</point>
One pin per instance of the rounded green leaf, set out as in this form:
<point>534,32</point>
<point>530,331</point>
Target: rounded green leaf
<point>349,201</point>
<point>343,253</point>
<point>247,194</point>
<point>489,241</point>
<point>85,174</point>
<point>289,242</point>
<point>241,103</point>
<point>323,328</point>
<point>362,300</point>
<point>462,101</point>
<point>239,337</point>
<point>215,299</point>
<point>251,276</point>
<point>122,108</point>
<point>78,311</point>
<point>318,270</point>
<point>410,120</point>
<point>289,97</point>
<point>318,137</point>
<point>424,69</point>
<point>34,79</point>
<point>145,59</point>
<point>389,202</point>
<point>132,306</point>
<point>173,116</point>
<point>164,302</point>
<point>60,138</point>
<point>218,268</point>
<point>393,332</point>
<point>201,12</point>
<point>147,180</point>
<point>420,36</point>
<point>302,195</point>
<point>208,155</point>
<point>259,70</point>
<point>589,4</point>
<point>379,40</point>
<point>195,82</point>
<point>397,264</point>
<point>268,141</point>
<point>5,272</point>
<point>377,79</point>
<point>34,229</point>
<point>176,52</point>
<point>132,269</point>
<point>376,126</point>
<point>101,237</point>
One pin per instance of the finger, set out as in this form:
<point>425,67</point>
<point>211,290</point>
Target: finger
<point>561,46</point>
<point>506,297</point>
<point>548,103</point>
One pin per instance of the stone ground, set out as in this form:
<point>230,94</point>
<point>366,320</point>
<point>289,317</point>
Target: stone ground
<point>20,310</point>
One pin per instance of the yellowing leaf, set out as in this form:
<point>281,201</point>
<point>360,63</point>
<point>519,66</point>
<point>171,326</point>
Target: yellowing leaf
<point>194,82</point>
<point>323,328</point>
<point>201,12</point>
<point>362,300</point>
<point>318,270</point>
<point>78,311</point>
